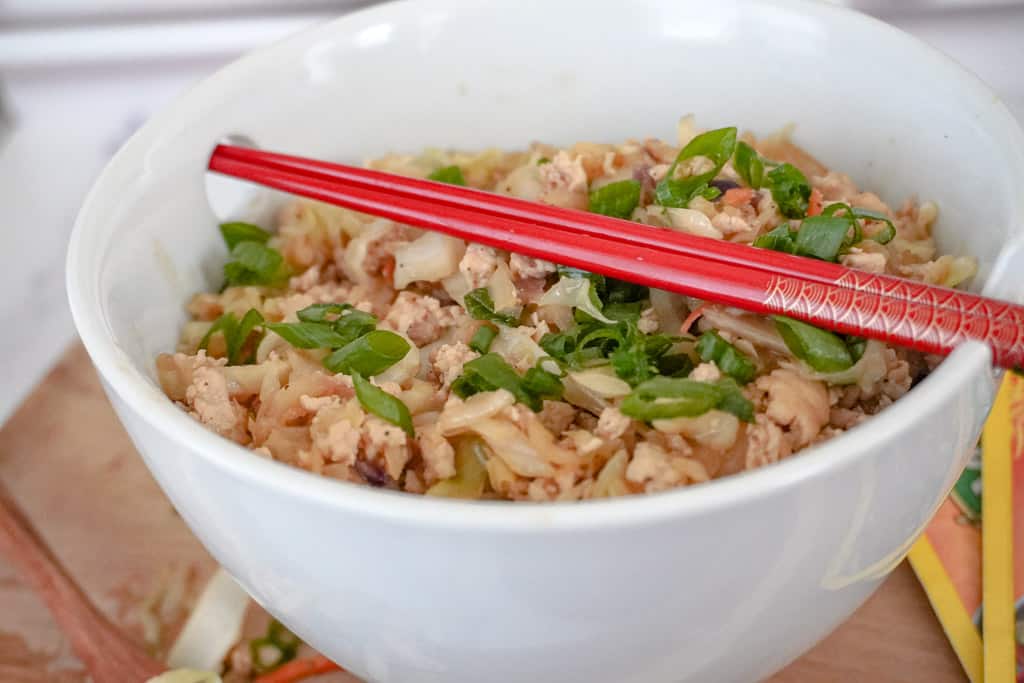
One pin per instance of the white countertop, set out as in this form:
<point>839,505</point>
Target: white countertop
<point>75,94</point>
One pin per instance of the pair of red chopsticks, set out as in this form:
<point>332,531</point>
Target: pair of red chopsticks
<point>903,312</point>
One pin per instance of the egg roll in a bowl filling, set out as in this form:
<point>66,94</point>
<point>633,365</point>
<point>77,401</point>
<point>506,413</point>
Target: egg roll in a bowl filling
<point>373,352</point>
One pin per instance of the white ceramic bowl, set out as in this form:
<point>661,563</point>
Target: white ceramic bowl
<point>726,581</point>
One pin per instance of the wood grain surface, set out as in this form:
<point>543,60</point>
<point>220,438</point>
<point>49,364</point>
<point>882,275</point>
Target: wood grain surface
<point>71,466</point>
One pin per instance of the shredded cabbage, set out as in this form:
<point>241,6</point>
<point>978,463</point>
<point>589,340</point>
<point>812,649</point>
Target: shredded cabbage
<point>432,256</point>
<point>211,630</point>
<point>576,292</point>
<point>602,382</point>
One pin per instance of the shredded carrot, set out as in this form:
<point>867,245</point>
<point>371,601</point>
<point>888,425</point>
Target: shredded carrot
<point>299,669</point>
<point>691,319</point>
<point>814,203</point>
<point>738,196</point>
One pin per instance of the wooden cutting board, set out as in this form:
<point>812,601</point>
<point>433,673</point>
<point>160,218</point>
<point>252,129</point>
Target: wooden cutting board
<point>68,462</point>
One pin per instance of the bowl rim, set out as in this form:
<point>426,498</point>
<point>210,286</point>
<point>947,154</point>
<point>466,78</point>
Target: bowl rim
<point>123,378</point>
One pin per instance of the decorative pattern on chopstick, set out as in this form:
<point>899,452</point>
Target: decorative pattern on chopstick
<point>915,316</point>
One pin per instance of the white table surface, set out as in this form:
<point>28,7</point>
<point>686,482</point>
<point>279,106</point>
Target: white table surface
<point>75,95</point>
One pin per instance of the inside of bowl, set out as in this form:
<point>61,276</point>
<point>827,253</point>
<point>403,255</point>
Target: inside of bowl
<point>865,99</point>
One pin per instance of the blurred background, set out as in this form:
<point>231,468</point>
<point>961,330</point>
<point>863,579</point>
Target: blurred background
<point>77,77</point>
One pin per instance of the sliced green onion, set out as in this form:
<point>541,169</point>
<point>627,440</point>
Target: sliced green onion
<point>730,360</point>
<point>235,332</point>
<point>317,313</point>
<point>491,371</point>
<point>883,236</point>
<point>790,190</point>
<point>448,174</point>
<point>236,232</point>
<point>857,346</point>
<point>308,335</point>
<point>369,355</point>
<point>664,397</point>
<point>675,365</point>
<point>250,321</point>
<point>733,401</point>
<point>822,237</point>
<point>615,199</point>
<point>717,145</point>
<point>354,324</point>
<point>253,263</point>
<point>820,349</point>
<point>382,404</point>
<point>543,384</point>
<point>633,364</point>
<point>748,164</point>
<point>782,238</point>
<point>226,324</point>
<point>483,338</point>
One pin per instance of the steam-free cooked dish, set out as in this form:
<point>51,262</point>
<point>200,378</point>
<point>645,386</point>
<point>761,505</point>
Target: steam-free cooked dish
<point>373,352</point>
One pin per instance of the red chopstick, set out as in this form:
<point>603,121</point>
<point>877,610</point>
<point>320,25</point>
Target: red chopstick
<point>616,229</point>
<point>930,319</point>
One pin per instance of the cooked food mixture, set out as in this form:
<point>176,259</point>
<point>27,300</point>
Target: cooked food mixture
<point>369,351</point>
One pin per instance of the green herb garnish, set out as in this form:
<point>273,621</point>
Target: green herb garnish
<point>355,324</point>
<point>375,400</point>
<point>824,237</point>
<point>480,306</point>
<point>730,360</point>
<point>827,235</point>
<point>308,335</point>
<point>448,174</point>
<point>790,190</point>
<point>318,313</point>
<point>235,332</point>
<point>253,263</point>
<point>483,338</point>
<point>716,145</point>
<point>237,232</point>
<point>822,350</point>
<point>852,213</point>
<point>748,165</point>
<point>490,372</point>
<point>664,398</point>
<point>615,199</point>
<point>369,355</point>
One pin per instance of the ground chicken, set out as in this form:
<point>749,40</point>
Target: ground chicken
<point>420,317</point>
<point>478,264</point>
<point>612,424</point>
<point>656,470</point>
<point>556,416</point>
<point>800,405</point>
<point>564,182</point>
<point>765,443</point>
<point>872,262</point>
<point>386,441</point>
<point>528,267</point>
<point>448,362</point>
<point>212,404</point>
<point>336,431</point>
<point>438,455</point>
